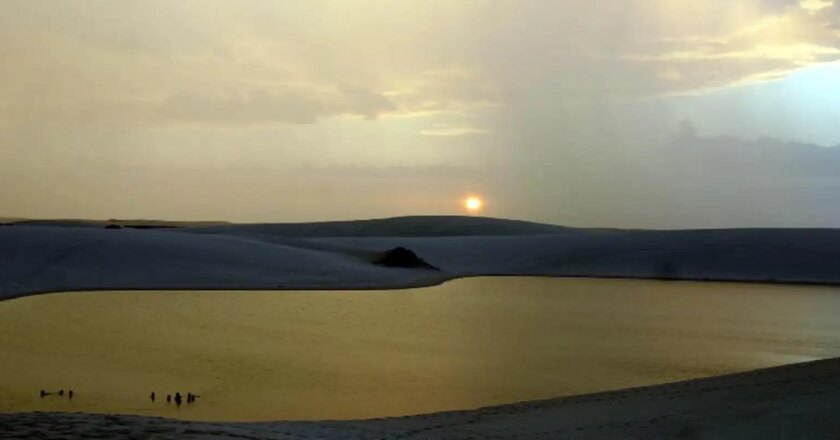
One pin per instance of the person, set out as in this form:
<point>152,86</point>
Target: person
<point>43,393</point>
<point>178,398</point>
<point>61,393</point>
<point>70,394</point>
<point>168,398</point>
<point>189,398</point>
<point>152,396</point>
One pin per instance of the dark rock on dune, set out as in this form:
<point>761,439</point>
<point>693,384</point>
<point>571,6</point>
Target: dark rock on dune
<point>402,257</point>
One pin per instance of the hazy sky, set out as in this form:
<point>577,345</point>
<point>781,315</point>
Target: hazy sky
<point>629,113</point>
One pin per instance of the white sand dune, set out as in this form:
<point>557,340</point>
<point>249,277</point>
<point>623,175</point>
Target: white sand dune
<point>58,257</point>
<point>46,258</point>
<point>795,401</point>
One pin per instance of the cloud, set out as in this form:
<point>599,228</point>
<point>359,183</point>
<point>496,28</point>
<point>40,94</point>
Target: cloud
<point>451,131</point>
<point>456,91</point>
<point>339,60</point>
<point>303,105</point>
<point>814,6</point>
<point>261,106</point>
<point>366,103</point>
<point>775,159</point>
<point>251,107</point>
<point>701,182</point>
<point>577,94</point>
<point>768,48</point>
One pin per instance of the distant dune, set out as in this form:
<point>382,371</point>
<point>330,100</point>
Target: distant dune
<point>414,226</point>
<point>46,257</point>
<point>121,222</point>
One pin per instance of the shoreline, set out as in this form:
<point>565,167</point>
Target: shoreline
<point>419,285</point>
<point>796,400</point>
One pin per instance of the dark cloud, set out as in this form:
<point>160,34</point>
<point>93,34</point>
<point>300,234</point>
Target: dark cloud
<point>693,182</point>
<point>364,102</point>
<point>765,157</point>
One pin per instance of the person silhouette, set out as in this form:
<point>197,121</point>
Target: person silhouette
<point>189,398</point>
<point>178,399</point>
<point>168,398</point>
<point>152,396</point>
<point>43,393</point>
<point>61,393</point>
<point>70,394</point>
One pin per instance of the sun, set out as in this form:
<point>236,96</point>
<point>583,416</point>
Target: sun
<point>473,204</point>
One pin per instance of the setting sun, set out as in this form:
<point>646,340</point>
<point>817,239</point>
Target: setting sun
<point>473,204</point>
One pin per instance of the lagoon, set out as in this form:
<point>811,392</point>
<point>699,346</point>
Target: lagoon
<point>283,355</point>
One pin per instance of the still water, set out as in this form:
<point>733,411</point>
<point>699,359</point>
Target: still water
<point>329,355</point>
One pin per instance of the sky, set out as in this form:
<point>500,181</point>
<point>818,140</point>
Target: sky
<point>627,113</point>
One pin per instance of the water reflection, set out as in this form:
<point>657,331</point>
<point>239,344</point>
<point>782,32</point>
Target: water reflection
<point>469,343</point>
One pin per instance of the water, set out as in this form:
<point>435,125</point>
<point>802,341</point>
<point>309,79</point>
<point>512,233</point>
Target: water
<point>328,355</point>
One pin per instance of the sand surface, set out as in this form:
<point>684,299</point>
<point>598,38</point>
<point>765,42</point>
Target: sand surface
<point>41,258</point>
<point>795,401</point>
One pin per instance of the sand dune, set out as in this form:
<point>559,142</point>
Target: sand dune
<point>795,401</point>
<point>46,258</point>
<point>337,255</point>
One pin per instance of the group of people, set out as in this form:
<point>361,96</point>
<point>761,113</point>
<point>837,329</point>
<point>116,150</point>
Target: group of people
<point>59,393</point>
<point>178,398</point>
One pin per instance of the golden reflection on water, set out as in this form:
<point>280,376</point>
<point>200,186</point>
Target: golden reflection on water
<point>328,355</point>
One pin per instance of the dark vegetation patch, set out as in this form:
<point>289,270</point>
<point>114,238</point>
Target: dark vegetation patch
<point>402,257</point>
